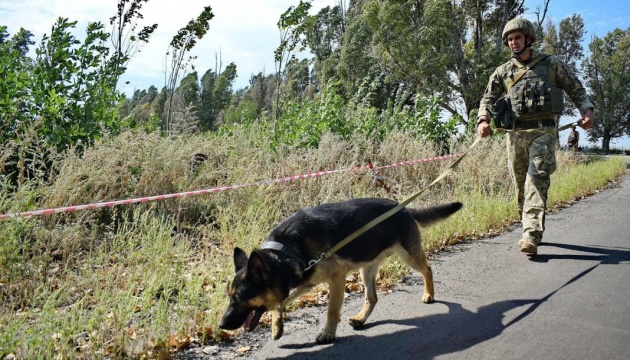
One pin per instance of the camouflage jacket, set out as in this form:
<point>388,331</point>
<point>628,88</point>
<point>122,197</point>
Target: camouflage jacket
<point>558,75</point>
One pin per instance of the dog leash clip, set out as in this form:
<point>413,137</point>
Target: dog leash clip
<point>312,263</point>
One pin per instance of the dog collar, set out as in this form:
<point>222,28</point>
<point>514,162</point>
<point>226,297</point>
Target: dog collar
<point>274,245</point>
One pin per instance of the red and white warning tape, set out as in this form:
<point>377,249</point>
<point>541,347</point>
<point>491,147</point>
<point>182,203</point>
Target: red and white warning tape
<point>212,190</point>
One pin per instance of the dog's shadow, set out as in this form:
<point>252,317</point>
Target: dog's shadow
<point>457,329</point>
<point>432,335</point>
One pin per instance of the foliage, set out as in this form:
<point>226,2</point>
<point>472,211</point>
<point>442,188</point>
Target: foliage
<point>190,91</point>
<point>356,63</point>
<point>216,94</point>
<point>15,67</point>
<point>297,82</point>
<point>66,94</point>
<point>255,102</point>
<point>125,38</point>
<point>303,123</point>
<point>142,280</point>
<point>139,111</point>
<point>566,44</point>
<point>181,44</point>
<point>426,46</point>
<point>426,121</point>
<point>324,35</point>
<point>292,26</point>
<point>74,87</point>
<point>607,72</point>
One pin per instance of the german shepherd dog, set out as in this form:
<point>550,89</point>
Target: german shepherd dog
<point>276,274</point>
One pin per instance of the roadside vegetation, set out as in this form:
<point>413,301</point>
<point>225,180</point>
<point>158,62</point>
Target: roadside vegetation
<point>134,280</point>
<point>146,279</point>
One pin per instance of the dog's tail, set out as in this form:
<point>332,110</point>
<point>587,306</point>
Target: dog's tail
<point>430,215</point>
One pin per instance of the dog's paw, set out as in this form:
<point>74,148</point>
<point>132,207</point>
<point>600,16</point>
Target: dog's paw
<point>277,330</point>
<point>356,323</point>
<point>325,337</point>
<point>277,325</point>
<point>427,298</point>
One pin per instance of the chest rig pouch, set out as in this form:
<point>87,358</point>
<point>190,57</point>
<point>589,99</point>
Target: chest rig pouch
<point>534,95</point>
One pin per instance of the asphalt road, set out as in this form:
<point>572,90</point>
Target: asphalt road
<point>492,301</point>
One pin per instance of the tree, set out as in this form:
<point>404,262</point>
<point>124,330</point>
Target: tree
<point>216,94</point>
<point>438,48</point>
<point>124,37</point>
<point>293,25</point>
<point>74,85</point>
<point>139,110</point>
<point>566,44</point>
<point>158,105</point>
<point>324,35</point>
<point>190,91</point>
<point>297,78</point>
<point>570,47</point>
<point>356,63</point>
<point>15,81</point>
<point>15,103</point>
<point>63,99</point>
<point>607,72</point>
<point>180,45</point>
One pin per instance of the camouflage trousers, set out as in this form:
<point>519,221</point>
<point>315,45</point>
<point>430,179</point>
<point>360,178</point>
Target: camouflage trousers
<point>532,160</point>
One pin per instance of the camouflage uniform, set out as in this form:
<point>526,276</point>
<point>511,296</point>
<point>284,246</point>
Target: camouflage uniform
<point>531,154</point>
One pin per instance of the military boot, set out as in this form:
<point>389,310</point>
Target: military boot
<point>530,242</point>
<point>528,246</point>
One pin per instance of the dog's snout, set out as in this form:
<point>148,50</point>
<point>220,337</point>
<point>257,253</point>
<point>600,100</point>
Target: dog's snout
<point>225,325</point>
<point>231,320</point>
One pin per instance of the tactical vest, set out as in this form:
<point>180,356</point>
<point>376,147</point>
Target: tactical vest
<point>535,95</point>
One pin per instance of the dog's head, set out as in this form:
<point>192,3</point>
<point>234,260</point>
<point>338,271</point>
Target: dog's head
<point>251,292</point>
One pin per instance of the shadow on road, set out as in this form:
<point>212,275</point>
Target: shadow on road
<point>594,253</point>
<point>434,335</point>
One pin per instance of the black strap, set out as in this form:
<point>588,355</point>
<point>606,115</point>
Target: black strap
<point>274,245</point>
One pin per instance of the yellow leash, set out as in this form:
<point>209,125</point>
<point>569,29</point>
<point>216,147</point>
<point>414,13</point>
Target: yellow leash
<point>389,213</point>
<point>561,128</point>
<point>406,202</point>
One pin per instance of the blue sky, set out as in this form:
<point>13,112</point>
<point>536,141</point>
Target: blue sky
<point>244,31</point>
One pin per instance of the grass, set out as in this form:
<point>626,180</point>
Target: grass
<point>135,281</point>
<point>583,177</point>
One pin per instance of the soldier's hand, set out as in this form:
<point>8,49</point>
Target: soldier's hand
<point>587,120</point>
<point>484,129</point>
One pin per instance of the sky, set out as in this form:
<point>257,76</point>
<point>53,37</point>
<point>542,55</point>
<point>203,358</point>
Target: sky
<point>242,31</point>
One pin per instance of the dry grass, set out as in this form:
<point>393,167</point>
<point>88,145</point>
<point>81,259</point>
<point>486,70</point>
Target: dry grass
<point>134,280</point>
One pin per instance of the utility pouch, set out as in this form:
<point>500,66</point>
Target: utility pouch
<point>534,99</point>
<point>502,114</point>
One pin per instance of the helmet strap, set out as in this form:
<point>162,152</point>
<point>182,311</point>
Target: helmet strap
<point>520,52</point>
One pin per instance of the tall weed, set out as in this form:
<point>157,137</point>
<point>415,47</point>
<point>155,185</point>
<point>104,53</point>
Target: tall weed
<point>133,280</point>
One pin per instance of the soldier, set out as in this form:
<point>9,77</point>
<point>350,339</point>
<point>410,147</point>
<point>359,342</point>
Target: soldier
<point>532,84</point>
<point>574,139</point>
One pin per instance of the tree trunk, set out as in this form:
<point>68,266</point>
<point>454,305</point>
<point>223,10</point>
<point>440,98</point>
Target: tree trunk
<point>606,141</point>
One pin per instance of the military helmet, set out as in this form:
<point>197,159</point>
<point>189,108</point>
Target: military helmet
<point>519,24</point>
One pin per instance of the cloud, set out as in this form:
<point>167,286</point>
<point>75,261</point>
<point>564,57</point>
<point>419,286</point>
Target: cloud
<point>242,31</point>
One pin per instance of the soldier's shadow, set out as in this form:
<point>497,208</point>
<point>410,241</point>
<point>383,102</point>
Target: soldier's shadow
<point>593,253</point>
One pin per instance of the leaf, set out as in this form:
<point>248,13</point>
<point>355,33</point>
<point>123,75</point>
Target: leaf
<point>184,343</point>
<point>243,349</point>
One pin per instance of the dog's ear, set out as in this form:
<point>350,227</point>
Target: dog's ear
<point>240,259</point>
<point>256,268</point>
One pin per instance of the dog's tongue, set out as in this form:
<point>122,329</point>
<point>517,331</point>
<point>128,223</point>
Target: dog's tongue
<point>252,320</point>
